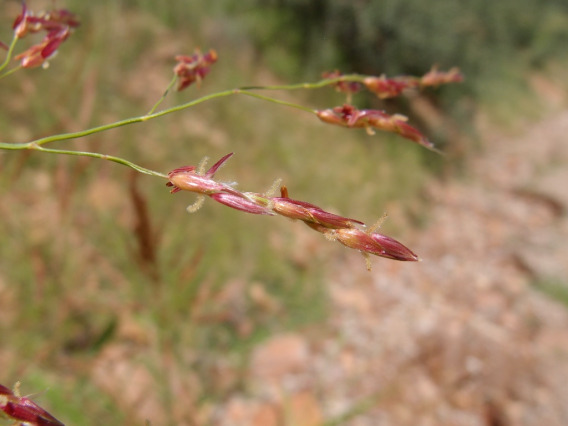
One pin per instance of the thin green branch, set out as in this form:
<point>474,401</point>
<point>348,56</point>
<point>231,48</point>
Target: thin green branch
<point>125,122</point>
<point>38,144</point>
<point>132,120</point>
<point>11,71</point>
<point>273,100</point>
<point>316,85</point>
<point>157,104</point>
<point>9,54</point>
<point>100,156</point>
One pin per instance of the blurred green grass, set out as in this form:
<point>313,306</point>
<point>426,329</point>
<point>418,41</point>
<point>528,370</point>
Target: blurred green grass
<point>72,276</point>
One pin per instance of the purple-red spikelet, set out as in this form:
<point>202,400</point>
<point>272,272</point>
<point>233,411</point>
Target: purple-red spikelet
<point>386,88</point>
<point>343,229</point>
<point>194,68</point>
<point>371,243</point>
<point>24,410</point>
<point>238,202</point>
<point>369,119</point>
<point>39,53</point>
<point>436,78</point>
<point>188,179</point>
<point>57,24</point>
<point>53,20</point>
<point>307,212</point>
<point>348,87</point>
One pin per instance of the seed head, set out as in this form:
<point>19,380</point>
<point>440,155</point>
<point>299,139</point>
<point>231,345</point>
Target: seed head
<point>369,119</point>
<point>38,54</point>
<point>373,243</point>
<point>57,24</point>
<point>436,78</point>
<point>188,178</point>
<point>386,88</point>
<point>194,68</point>
<point>348,87</point>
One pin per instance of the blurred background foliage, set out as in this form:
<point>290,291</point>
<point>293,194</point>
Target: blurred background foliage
<point>495,44</point>
<point>89,253</point>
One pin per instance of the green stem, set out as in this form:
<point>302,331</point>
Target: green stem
<point>125,122</point>
<point>132,120</point>
<point>100,156</point>
<point>7,73</point>
<point>37,144</point>
<point>163,96</point>
<point>316,85</point>
<point>9,54</point>
<point>273,100</point>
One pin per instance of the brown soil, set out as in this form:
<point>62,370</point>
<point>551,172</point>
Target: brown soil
<point>464,337</point>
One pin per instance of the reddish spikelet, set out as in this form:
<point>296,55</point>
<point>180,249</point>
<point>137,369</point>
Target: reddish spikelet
<point>53,20</point>
<point>310,213</point>
<point>38,54</point>
<point>369,119</point>
<point>393,249</point>
<point>59,17</point>
<point>22,409</point>
<point>436,78</point>
<point>238,202</point>
<point>386,88</point>
<point>370,243</point>
<point>57,23</point>
<point>348,87</point>
<point>22,24</point>
<point>301,210</point>
<point>377,244</point>
<point>188,179</point>
<point>343,229</point>
<point>194,68</point>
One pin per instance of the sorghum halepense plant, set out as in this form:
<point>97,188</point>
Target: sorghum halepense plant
<point>57,25</point>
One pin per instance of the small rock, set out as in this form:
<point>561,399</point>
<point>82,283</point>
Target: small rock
<point>281,355</point>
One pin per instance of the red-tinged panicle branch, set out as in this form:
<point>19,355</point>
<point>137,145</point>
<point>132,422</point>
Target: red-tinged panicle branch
<point>392,248</point>
<point>300,210</point>
<point>39,53</point>
<point>436,78</point>
<point>369,242</point>
<point>194,68</point>
<point>373,243</point>
<point>53,20</point>
<point>24,23</point>
<point>342,86</point>
<point>386,88</point>
<point>369,119</point>
<point>22,409</point>
<point>238,202</point>
<point>345,230</point>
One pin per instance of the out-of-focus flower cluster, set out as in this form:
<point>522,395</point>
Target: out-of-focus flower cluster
<point>348,232</point>
<point>23,410</point>
<point>57,24</point>
<point>194,68</point>
<point>370,119</point>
